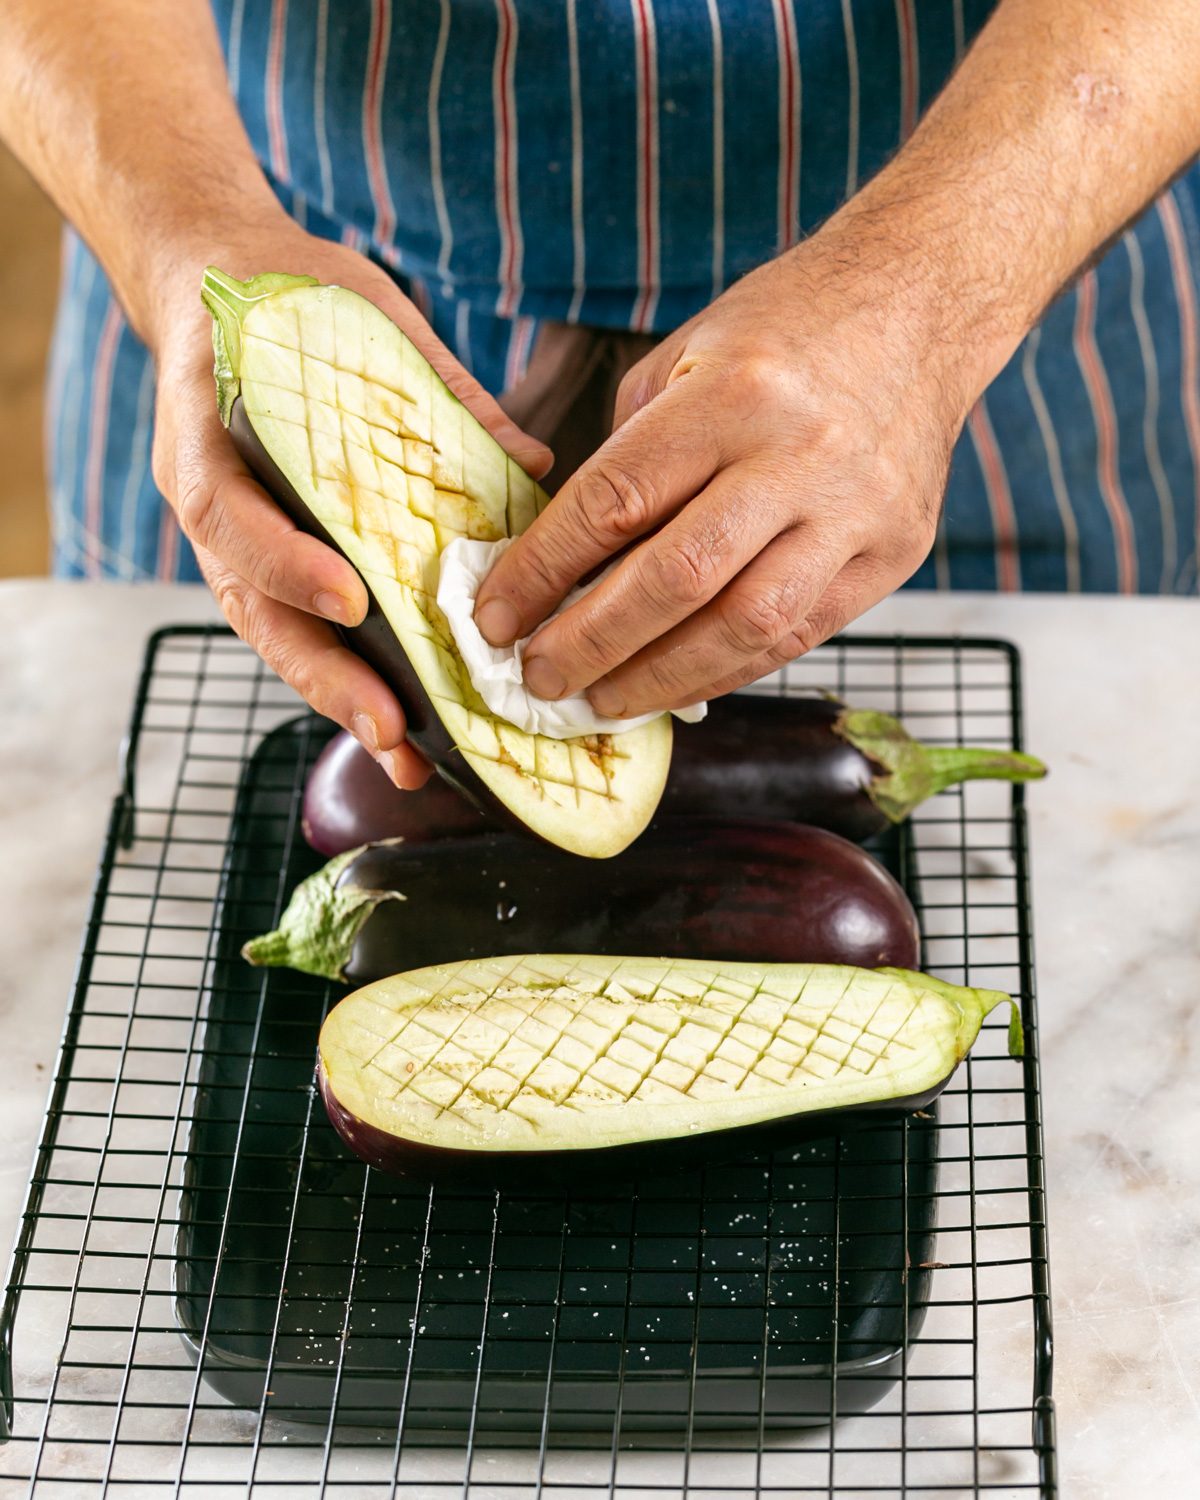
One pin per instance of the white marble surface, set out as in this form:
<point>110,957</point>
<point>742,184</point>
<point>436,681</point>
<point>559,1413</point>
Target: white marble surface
<point>1113,703</point>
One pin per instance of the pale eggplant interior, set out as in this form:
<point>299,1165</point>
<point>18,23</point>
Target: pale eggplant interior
<point>395,468</point>
<point>557,1052</point>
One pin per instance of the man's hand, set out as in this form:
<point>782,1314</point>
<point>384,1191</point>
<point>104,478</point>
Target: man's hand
<point>277,586</point>
<point>779,462</point>
<point>780,459</point>
<point>147,157</point>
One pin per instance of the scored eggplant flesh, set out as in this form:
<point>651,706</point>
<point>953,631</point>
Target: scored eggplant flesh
<point>542,1055</point>
<point>387,465</point>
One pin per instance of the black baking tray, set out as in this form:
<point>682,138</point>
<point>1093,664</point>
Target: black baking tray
<point>779,1290</point>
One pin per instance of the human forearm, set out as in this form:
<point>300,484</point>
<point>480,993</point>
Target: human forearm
<point>781,459</point>
<point>1064,120</point>
<point>126,120</point>
<point>130,126</point>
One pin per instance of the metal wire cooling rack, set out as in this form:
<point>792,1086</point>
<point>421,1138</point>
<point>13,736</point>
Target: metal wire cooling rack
<point>864,1316</point>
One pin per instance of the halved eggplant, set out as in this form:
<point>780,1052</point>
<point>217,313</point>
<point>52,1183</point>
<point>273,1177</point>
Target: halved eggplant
<point>692,888</point>
<point>807,760</point>
<point>353,434</point>
<point>549,1062</point>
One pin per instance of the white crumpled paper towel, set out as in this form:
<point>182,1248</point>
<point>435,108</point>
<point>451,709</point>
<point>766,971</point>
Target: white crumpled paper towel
<point>495,671</point>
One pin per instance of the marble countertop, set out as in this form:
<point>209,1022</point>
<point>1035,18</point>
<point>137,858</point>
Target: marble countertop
<point>1112,702</point>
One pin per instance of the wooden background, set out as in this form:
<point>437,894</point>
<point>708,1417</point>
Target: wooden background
<point>29,259</point>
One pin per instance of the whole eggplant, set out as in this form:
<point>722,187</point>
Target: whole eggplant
<point>805,760</point>
<point>690,888</point>
<point>349,800</point>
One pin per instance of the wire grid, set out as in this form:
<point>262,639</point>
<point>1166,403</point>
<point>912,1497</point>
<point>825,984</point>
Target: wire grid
<point>105,1398</point>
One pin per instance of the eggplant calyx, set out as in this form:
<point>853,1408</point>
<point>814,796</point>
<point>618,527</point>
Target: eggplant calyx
<point>229,300</point>
<point>910,772</point>
<point>321,923</point>
<point>973,1007</point>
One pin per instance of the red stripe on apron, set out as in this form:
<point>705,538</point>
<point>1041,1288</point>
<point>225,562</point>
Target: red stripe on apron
<point>1185,295</point>
<point>381,197</point>
<point>999,497</point>
<point>276,131</point>
<point>1087,351</point>
<point>505,108</point>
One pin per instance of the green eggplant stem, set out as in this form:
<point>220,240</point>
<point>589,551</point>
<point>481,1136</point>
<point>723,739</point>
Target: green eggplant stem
<point>273,950</point>
<point>229,300</point>
<point>973,1007</point>
<point>950,764</point>
<point>912,772</point>
<point>317,931</point>
<point>989,999</point>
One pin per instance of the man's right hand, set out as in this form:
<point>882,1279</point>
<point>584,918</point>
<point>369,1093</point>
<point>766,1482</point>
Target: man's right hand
<point>278,587</point>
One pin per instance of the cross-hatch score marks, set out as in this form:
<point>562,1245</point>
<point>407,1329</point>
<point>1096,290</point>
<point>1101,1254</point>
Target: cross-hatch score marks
<point>480,1052</point>
<point>391,472</point>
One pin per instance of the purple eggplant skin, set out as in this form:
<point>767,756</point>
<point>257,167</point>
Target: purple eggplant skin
<point>689,888</point>
<point>802,760</point>
<point>349,800</point>
<point>772,758</point>
<point>776,758</point>
<point>554,1171</point>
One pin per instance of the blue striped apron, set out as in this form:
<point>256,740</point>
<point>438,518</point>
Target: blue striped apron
<point>618,163</point>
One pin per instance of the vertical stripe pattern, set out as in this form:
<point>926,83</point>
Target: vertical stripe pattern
<point>999,497</point>
<point>910,81</point>
<point>578,242</point>
<point>504,108</point>
<point>647,164</point>
<point>619,163</point>
<point>372,111</point>
<point>853,105</point>
<point>789,122</point>
<point>718,148</point>
<point>276,132</point>
<point>1100,397</point>
<point>237,20</point>
<point>1183,279</point>
<point>106,354</point>
<point>1054,462</point>
<point>445,228</point>
<point>320,130</point>
<point>136,469</point>
<point>520,347</point>
<point>1150,413</point>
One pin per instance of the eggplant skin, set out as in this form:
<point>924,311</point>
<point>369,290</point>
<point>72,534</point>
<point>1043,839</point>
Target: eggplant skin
<point>558,1171</point>
<point>771,758</point>
<point>691,888</point>
<point>803,760</point>
<point>776,758</point>
<point>349,801</point>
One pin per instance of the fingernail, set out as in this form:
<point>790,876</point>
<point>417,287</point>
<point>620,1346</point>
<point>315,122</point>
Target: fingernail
<point>366,732</point>
<point>543,678</point>
<point>386,760</point>
<point>498,622</point>
<point>607,699</point>
<point>335,607</point>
